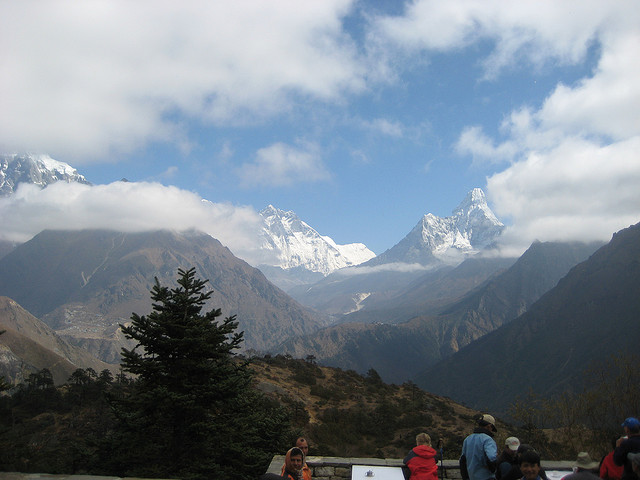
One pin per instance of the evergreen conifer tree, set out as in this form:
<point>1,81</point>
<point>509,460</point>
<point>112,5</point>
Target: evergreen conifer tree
<point>191,411</point>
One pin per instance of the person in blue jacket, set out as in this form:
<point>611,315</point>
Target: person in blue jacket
<point>479,451</point>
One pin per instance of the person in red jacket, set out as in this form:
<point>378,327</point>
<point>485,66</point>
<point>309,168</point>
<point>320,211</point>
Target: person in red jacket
<point>608,468</point>
<point>421,460</point>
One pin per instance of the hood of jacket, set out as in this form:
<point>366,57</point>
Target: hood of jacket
<point>287,460</point>
<point>425,451</point>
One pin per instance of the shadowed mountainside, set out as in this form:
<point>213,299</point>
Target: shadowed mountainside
<point>400,351</point>
<point>430,293</point>
<point>589,316</point>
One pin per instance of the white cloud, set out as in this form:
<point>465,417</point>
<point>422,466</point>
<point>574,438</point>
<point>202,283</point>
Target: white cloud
<point>360,157</point>
<point>226,153</point>
<point>578,190</point>
<point>128,207</point>
<point>85,79</point>
<point>387,267</point>
<point>532,31</point>
<point>385,127</point>
<point>573,162</point>
<point>475,142</point>
<point>169,173</point>
<point>606,104</point>
<point>283,165</point>
<point>578,173</point>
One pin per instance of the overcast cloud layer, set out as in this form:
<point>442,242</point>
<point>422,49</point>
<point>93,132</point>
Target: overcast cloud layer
<point>83,81</point>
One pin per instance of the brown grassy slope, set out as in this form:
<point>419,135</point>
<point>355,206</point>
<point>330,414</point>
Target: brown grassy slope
<point>343,413</point>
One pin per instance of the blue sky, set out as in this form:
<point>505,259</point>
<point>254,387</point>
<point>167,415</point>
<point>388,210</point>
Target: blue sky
<point>360,116</point>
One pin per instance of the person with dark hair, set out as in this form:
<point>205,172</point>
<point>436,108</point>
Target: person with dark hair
<point>421,460</point>
<point>608,469</point>
<point>530,465</point>
<point>583,468</point>
<point>479,451</point>
<point>293,462</point>
<point>630,443</point>
<point>515,473</point>
<point>303,445</point>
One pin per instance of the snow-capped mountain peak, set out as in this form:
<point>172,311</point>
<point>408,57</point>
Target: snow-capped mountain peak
<point>475,220</point>
<point>36,169</point>
<point>290,243</point>
<point>471,227</point>
<point>475,205</point>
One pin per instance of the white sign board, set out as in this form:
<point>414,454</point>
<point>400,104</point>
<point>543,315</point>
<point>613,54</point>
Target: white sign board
<point>557,474</point>
<point>370,472</point>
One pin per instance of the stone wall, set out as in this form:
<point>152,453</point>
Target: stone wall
<point>322,468</point>
<point>339,468</point>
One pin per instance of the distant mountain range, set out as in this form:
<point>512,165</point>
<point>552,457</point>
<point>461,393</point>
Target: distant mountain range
<point>590,316</point>
<point>298,249</point>
<point>294,254</point>
<point>399,343</point>
<point>84,283</point>
<point>434,245</point>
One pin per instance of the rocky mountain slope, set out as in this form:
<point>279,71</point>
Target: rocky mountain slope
<point>6,246</point>
<point>83,284</point>
<point>400,350</point>
<point>430,293</point>
<point>28,345</point>
<point>589,316</point>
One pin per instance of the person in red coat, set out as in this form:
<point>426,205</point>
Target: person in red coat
<point>421,460</point>
<point>608,468</point>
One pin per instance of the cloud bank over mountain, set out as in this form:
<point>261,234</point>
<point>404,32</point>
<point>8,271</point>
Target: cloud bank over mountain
<point>126,207</point>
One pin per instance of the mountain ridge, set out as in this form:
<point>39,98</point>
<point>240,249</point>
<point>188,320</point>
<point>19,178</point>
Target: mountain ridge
<point>400,350</point>
<point>590,315</point>
<point>85,283</point>
<point>434,243</point>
